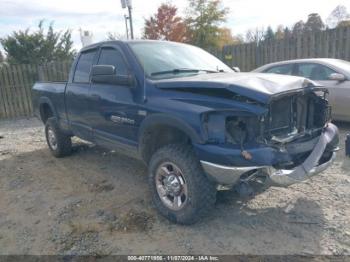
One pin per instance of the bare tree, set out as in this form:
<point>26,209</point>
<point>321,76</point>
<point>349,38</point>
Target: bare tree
<point>255,35</point>
<point>338,15</point>
<point>115,36</point>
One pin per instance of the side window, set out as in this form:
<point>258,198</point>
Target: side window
<point>110,56</point>
<point>83,68</point>
<point>281,69</point>
<point>314,71</point>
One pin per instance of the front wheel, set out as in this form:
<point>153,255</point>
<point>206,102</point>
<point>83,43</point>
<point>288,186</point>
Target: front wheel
<point>181,192</point>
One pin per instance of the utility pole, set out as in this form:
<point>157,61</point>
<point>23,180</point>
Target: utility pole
<point>126,26</point>
<point>130,20</point>
<point>128,4</point>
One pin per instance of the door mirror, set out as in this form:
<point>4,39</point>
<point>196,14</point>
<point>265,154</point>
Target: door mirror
<point>106,74</point>
<point>103,70</point>
<point>337,77</point>
<point>236,69</point>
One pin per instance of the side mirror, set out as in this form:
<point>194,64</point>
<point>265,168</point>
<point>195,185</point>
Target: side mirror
<point>337,77</point>
<point>103,70</point>
<point>106,74</point>
<point>236,69</point>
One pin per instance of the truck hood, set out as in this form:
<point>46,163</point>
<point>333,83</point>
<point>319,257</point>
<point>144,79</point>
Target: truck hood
<point>259,87</point>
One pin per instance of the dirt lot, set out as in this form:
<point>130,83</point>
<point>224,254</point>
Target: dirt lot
<point>97,202</point>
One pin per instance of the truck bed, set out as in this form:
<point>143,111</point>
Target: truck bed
<point>53,92</point>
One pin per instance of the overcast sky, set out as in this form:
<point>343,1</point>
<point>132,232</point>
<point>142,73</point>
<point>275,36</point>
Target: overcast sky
<point>105,16</point>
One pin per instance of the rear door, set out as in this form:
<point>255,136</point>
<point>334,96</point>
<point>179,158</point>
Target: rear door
<point>78,102</point>
<point>115,113</point>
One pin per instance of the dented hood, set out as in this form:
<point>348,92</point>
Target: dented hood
<point>256,86</point>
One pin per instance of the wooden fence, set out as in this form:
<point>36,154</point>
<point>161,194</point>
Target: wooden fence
<point>334,43</point>
<point>16,82</point>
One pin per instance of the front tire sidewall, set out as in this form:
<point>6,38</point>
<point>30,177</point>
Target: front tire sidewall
<point>201,193</point>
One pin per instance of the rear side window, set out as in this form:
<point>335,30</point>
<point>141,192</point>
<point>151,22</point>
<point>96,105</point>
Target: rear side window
<point>83,68</point>
<point>314,71</point>
<point>111,56</point>
<point>281,69</point>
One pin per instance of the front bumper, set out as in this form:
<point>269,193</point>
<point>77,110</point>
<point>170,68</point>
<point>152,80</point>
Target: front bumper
<point>312,165</point>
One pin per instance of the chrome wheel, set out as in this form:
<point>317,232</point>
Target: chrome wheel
<point>51,138</point>
<point>171,186</point>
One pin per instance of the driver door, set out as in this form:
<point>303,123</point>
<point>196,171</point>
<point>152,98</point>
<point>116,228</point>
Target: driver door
<point>115,117</point>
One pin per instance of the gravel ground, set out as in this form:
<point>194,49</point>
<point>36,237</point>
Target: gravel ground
<point>97,202</point>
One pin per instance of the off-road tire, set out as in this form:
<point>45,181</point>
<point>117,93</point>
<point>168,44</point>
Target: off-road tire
<point>201,192</point>
<point>63,141</point>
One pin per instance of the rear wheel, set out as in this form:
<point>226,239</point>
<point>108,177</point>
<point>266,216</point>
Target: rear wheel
<point>181,192</point>
<point>59,143</point>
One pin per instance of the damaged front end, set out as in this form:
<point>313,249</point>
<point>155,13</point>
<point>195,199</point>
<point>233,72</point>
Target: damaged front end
<point>288,143</point>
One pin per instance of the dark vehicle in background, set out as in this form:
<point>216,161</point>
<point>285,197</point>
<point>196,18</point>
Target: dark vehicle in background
<point>199,126</point>
<point>334,74</point>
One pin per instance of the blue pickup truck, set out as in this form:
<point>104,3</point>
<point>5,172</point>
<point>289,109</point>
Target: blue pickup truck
<point>197,124</point>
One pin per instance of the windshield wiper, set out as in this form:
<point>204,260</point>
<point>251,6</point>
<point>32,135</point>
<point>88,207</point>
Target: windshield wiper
<point>182,70</point>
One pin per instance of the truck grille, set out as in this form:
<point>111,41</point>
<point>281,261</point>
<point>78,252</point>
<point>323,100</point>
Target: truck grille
<point>296,114</point>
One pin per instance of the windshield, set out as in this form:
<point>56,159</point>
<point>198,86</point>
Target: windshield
<point>169,59</point>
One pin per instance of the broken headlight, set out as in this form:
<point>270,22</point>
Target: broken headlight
<point>224,128</point>
<point>240,130</point>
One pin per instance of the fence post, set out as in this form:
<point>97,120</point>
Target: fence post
<point>347,44</point>
<point>25,96</point>
<point>3,97</point>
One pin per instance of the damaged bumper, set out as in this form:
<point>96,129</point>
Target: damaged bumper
<point>321,157</point>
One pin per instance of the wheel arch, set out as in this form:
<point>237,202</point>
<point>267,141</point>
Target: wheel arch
<point>46,109</point>
<point>159,130</point>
